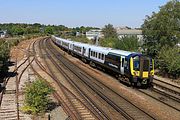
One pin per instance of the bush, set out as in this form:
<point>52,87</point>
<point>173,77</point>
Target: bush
<point>169,61</point>
<point>125,43</point>
<point>82,39</point>
<point>128,43</point>
<point>4,56</point>
<point>109,42</point>
<point>36,97</point>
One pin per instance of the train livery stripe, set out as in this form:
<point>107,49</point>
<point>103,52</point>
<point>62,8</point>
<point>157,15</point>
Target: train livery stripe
<point>131,66</point>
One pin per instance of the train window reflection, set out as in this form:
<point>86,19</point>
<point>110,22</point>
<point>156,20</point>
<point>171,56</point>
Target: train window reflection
<point>136,63</point>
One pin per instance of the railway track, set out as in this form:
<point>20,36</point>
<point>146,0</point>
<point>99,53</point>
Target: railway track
<point>120,104</point>
<point>10,95</point>
<point>165,93</point>
<point>56,95</point>
<point>83,112</point>
<point>83,107</point>
<point>171,101</point>
<point>166,87</point>
<point>38,75</point>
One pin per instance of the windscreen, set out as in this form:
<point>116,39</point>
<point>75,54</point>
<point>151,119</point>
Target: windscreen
<point>136,63</point>
<point>146,65</point>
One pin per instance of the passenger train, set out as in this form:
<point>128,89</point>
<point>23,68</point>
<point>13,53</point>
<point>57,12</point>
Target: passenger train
<point>131,67</point>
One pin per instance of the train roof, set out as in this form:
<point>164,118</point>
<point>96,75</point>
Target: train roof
<point>81,44</point>
<point>112,51</point>
<point>121,52</point>
<point>104,50</point>
<point>101,49</point>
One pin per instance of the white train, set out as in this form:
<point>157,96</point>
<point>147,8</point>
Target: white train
<point>130,67</point>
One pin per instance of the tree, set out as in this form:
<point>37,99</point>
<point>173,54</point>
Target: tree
<point>162,28</point>
<point>37,25</point>
<point>36,97</point>
<point>62,28</point>
<point>49,30</point>
<point>110,36</point>
<point>128,43</point>
<point>169,61</point>
<point>108,42</point>
<point>4,56</point>
<point>16,29</point>
<point>109,31</point>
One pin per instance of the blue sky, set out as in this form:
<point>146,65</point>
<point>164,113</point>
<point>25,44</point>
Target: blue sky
<point>74,13</point>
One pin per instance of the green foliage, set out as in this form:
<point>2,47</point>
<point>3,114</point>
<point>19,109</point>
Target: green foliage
<point>128,44</point>
<point>49,30</point>
<point>162,28</point>
<point>125,43</point>
<point>109,31</point>
<point>108,42</point>
<point>4,55</point>
<point>19,29</point>
<point>82,39</point>
<point>36,97</point>
<point>82,29</point>
<point>5,46</point>
<point>169,60</point>
<point>16,29</point>
<point>161,34</point>
<point>110,36</point>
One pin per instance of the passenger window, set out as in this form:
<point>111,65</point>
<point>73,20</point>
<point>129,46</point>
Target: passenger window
<point>96,54</point>
<point>99,56</point>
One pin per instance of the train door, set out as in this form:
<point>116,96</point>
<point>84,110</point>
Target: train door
<point>84,50</point>
<point>122,64</point>
<point>89,52</point>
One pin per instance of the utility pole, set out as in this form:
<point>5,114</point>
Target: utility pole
<point>97,40</point>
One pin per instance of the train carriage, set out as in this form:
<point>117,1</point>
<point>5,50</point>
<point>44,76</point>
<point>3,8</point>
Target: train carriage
<point>80,49</point>
<point>97,53</point>
<point>131,67</point>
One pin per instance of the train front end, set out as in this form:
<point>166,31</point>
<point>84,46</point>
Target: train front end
<point>142,70</point>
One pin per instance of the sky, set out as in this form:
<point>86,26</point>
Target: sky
<point>74,13</point>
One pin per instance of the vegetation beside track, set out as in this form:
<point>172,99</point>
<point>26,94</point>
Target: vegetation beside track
<point>169,61</point>
<point>161,37</point>
<point>37,97</point>
<point>5,46</point>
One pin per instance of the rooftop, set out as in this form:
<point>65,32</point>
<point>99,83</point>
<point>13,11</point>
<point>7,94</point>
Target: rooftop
<point>128,31</point>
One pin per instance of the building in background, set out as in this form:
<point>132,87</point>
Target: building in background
<point>3,33</point>
<point>121,31</point>
<point>126,31</point>
<point>94,34</point>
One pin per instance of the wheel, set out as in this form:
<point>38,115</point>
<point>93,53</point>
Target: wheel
<point>92,64</point>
